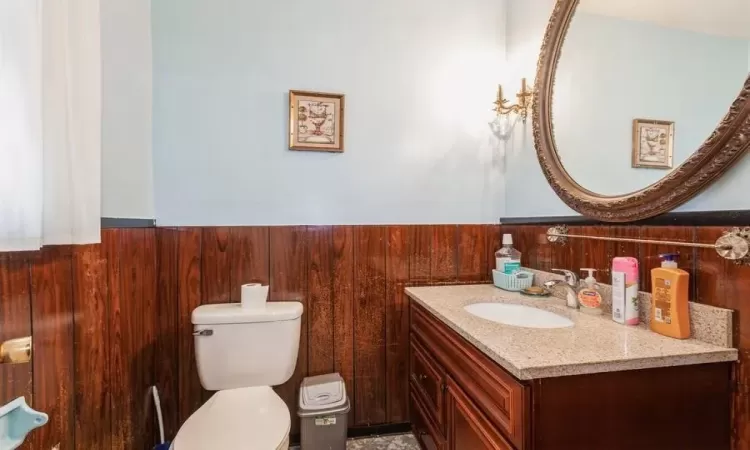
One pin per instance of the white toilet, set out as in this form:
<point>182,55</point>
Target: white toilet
<point>241,353</point>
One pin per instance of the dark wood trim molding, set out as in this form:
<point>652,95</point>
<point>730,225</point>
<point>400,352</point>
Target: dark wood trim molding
<point>719,152</point>
<point>379,430</point>
<point>737,218</point>
<point>117,222</point>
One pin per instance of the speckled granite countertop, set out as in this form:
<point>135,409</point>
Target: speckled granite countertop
<point>594,343</point>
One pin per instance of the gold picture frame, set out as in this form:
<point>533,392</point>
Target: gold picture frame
<point>316,121</point>
<point>653,144</point>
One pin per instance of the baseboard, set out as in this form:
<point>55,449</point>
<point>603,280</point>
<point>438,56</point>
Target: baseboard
<point>379,430</point>
<point>372,430</point>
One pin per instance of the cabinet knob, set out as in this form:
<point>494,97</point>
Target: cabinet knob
<point>422,377</point>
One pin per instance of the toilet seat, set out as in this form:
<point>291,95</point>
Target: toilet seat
<point>246,418</point>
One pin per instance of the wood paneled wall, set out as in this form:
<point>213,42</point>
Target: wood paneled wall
<point>714,281</point>
<point>91,311</point>
<point>110,320</point>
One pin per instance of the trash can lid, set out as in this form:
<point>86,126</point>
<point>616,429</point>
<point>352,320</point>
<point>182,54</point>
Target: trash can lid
<point>322,392</point>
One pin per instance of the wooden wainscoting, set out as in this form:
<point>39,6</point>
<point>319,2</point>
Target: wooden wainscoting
<point>110,320</point>
<point>93,314</point>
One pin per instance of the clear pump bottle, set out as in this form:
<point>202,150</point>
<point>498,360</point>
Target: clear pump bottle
<point>508,259</point>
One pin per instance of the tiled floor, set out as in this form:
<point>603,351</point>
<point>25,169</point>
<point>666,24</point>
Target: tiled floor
<point>391,442</point>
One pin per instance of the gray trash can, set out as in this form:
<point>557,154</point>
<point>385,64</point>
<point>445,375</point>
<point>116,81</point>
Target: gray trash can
<point>323,409</point>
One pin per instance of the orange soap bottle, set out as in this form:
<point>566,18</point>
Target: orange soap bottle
<point>670,314</point>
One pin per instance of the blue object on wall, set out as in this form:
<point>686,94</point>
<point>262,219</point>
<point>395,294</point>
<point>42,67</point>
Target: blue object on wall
<point>17,419</point>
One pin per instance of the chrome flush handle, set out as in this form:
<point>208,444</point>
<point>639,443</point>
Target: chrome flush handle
<point>203,333</point>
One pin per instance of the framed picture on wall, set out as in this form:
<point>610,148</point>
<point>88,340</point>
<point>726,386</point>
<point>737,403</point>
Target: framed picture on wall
<point>316,121</point>
<point>653,143</point>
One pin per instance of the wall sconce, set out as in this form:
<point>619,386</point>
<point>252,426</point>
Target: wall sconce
<point>502,126</point>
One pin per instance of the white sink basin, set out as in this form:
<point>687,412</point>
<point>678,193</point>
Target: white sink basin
<point>518,315</point>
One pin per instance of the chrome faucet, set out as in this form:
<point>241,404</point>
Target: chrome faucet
<point>570,284</point>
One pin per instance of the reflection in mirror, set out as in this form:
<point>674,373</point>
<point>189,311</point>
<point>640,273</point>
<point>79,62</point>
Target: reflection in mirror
<point>641,84</point>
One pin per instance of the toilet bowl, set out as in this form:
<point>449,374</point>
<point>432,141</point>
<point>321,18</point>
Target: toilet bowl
<point>253,418</point>
<point>240,353</point>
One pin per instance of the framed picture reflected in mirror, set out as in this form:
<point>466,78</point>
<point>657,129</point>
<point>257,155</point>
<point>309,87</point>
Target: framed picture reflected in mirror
<point>653,144</point>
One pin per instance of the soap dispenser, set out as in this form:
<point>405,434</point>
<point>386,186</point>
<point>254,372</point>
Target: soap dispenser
<point>589,297</point>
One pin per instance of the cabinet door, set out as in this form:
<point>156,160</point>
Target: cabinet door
<point>424,430</point>
<point>428,377</point>
<point>468,428</point>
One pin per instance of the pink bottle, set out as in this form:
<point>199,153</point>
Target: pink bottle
<point>625,291</point>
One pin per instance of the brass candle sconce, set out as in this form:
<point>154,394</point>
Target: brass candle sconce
<point>521,108</point>
<point>502,125</point>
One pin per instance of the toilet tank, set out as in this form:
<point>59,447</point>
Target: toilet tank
<point>236,347</point>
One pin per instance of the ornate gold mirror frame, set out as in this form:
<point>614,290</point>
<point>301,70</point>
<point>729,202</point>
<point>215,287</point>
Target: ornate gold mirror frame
<point>718,153</point>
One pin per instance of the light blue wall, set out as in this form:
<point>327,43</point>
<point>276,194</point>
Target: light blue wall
<point>127,175</point>
<point>527,191</point>
<point>418,77</point>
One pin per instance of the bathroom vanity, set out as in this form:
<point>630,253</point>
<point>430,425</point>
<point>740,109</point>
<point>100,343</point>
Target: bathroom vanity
<point>477,384</point>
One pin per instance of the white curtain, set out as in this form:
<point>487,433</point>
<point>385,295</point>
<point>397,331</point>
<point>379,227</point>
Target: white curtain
<point>50,123</point>
<point>21,181</point>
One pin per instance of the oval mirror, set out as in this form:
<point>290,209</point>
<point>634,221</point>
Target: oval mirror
<point>637,106</point>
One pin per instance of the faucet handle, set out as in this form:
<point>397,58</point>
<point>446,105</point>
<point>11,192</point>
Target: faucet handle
<point>570,277</point>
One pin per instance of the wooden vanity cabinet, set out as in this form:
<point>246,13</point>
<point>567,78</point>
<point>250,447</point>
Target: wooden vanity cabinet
<point>481,394</point>
<point>462,400</point>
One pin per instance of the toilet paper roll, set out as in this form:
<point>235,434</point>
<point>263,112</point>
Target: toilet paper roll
<point>253,295</point>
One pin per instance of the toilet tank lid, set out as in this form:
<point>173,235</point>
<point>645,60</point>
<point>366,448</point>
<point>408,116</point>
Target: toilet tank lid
<point>229,313</point>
